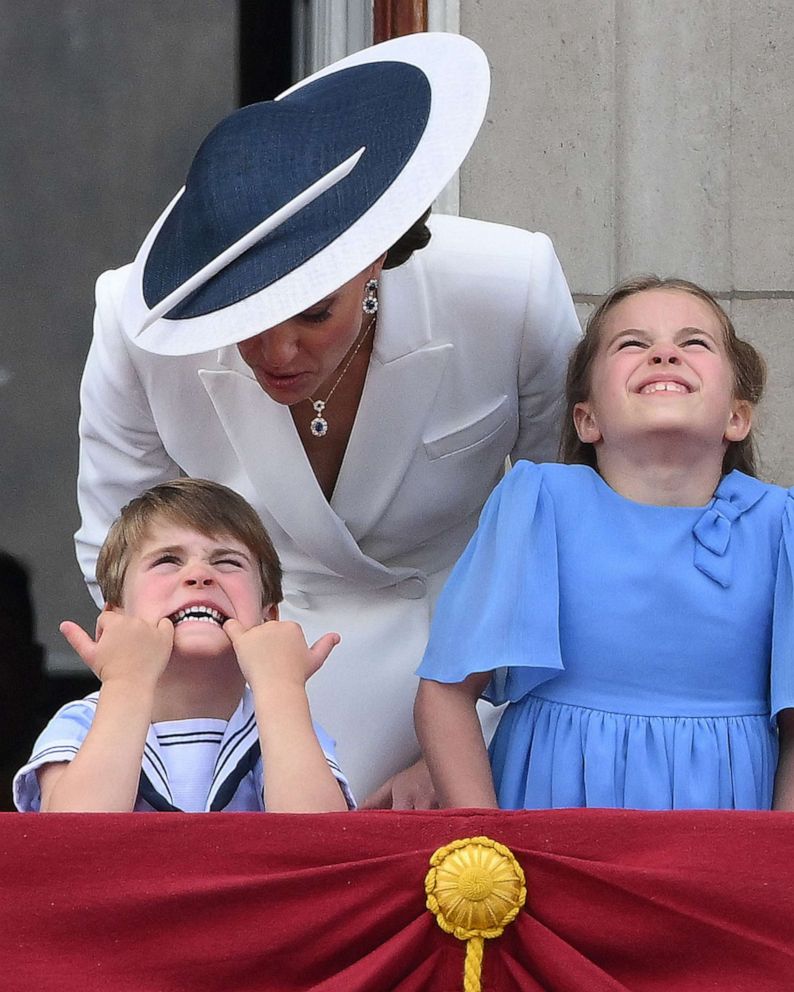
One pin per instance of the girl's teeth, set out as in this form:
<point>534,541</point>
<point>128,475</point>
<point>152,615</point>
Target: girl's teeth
<point>664,387</point>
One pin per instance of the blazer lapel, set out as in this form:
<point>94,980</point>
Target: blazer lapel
<point>264,438</point>
<point>402,383</point>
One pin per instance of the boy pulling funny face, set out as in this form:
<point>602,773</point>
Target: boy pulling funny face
<point>203,703</point>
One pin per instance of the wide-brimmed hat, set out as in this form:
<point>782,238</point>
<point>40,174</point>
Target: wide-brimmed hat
<point>289,199</point>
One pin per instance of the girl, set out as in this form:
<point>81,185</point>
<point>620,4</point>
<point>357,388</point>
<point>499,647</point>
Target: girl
<point>635,608</point>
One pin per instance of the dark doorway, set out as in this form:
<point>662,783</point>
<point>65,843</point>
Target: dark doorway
<point>265,47</point>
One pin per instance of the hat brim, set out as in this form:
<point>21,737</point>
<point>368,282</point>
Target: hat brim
<point>459,79</point>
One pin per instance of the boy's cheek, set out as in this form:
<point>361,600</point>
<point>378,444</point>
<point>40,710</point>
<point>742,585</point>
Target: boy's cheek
<point>106,609</point>
<point>151,614</point>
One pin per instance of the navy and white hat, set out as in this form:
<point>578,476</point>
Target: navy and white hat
<point>289,199</point>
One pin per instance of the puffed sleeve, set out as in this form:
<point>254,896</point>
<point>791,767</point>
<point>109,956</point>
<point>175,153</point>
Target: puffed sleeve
<point>121,452</point>
<point>499,610</point>
<point>782,676</point>
<point>59,741</point>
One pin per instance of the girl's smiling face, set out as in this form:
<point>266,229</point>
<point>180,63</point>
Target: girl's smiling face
<point>661,367</point>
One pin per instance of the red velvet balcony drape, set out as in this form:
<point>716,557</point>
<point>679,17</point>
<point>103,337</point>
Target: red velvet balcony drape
<point>247,902</point>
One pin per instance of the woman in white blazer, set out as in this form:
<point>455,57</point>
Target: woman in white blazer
<point>364,409</point>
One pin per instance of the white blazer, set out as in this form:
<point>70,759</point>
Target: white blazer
<point>467,368</point>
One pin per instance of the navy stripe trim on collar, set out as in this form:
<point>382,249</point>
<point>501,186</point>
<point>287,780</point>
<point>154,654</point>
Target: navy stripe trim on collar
<point>227,789</point>
<point>158,802</point>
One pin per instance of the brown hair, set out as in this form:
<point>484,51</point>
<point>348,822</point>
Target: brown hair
<point>414,239</point>
<point>207,507</point>
<point>749,370</point>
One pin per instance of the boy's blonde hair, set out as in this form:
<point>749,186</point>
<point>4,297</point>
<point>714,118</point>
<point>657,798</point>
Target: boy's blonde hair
<point>207,507</point>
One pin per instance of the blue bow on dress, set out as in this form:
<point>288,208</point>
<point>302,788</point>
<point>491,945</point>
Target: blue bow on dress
<point>735,495</point>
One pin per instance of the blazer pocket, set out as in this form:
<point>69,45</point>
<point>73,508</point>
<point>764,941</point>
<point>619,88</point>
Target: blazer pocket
<point>472,434</point>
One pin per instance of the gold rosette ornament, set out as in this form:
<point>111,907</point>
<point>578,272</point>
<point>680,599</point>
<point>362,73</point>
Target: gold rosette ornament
<point>475,888</point>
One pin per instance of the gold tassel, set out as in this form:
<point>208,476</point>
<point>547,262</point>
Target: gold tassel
<point>475,888</point>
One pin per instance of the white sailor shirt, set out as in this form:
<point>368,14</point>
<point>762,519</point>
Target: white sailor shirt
<point>188,765</point>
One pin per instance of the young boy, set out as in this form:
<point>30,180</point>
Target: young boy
<point>203,702</point>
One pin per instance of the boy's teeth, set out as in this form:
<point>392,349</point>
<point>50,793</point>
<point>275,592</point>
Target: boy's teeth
<point>203,614</point>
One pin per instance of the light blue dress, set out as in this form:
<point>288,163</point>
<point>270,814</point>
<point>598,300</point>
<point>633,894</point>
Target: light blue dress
<point>644,650</point>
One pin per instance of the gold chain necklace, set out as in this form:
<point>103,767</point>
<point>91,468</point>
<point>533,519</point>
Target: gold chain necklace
<point>319,425</point>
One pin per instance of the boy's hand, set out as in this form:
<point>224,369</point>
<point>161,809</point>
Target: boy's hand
<point>125,646</point>
<point>277,649</point>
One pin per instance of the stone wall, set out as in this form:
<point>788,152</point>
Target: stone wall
<point>651,136</point>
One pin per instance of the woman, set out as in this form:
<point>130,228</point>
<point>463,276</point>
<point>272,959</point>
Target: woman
<point>273,335</point>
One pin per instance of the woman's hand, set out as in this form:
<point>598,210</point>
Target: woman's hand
<point>408,789</point>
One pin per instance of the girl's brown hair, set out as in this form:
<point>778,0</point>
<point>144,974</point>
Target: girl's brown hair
<point>749,370</point>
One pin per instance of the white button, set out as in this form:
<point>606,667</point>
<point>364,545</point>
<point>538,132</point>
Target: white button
<point>413,588</point>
